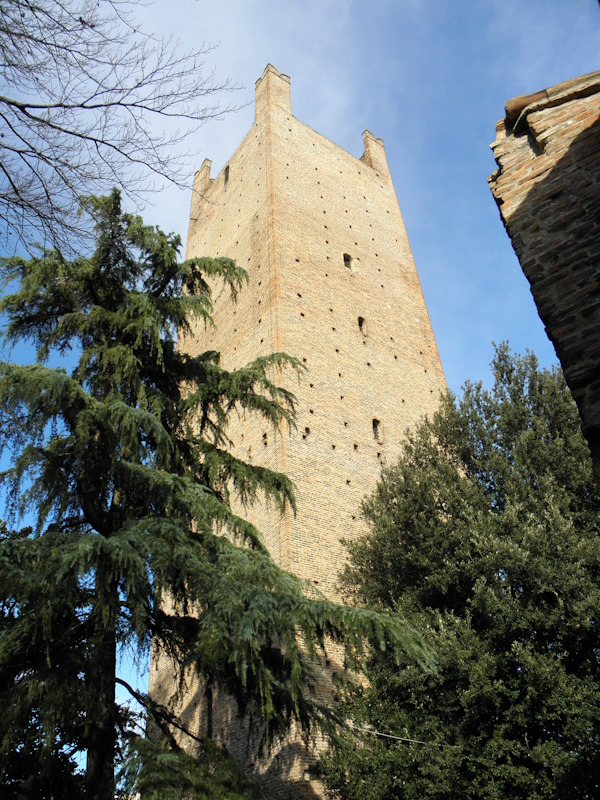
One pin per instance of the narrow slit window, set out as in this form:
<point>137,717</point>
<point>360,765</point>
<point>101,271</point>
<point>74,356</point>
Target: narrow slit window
<point>226,175</point>
<point>362,326</point>
<point>377,430</point>
<point>347,261</point>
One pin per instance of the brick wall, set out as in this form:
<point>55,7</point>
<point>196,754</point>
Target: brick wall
<point>547,187</point>
<point>332,282</point>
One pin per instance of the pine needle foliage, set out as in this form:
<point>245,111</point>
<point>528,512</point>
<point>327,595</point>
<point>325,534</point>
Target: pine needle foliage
<point>156,772</point>
<point>485,536</point>
<point>125,463</point>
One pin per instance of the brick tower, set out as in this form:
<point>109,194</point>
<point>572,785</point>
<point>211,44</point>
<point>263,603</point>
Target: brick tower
<point>332,282</point>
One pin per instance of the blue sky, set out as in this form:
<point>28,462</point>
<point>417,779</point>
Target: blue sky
<point>430,77</point>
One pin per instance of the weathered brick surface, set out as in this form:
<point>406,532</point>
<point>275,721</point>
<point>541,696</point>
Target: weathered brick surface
<point>547,187</point>
<point>332,282</point>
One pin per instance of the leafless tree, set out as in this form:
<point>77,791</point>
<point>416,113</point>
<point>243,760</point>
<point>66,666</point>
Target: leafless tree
<point>88,101</point>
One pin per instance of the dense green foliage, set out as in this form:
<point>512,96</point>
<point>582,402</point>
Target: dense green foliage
<point>486,537</point>
<point>155,771</point>
<point>124,463</point>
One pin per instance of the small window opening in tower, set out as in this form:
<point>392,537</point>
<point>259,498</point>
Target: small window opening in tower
<point>347,261</point>
<point>377,430</point>
<point>226,175</point>
<point>362,326</point>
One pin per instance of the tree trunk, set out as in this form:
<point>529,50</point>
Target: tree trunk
<point>100,780</point>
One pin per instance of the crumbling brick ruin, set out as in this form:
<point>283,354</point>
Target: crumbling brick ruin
<point>547,187</point>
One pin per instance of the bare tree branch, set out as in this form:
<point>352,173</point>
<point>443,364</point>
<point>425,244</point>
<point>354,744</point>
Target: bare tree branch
<point>82,95</point>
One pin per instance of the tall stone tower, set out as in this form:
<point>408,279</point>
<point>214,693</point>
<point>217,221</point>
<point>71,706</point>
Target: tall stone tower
<point>332,282</point>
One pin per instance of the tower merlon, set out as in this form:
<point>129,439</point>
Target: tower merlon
<point>374,154</point>
<point>201,183</point>
<point>272,89</point>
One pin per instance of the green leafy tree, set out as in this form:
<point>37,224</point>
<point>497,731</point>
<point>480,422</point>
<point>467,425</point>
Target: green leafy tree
<point>124,462</point>
<point>486,537</point>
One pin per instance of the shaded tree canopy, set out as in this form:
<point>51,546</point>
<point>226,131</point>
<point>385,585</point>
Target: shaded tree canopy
<point>125,463</point>
<point>88,101</point>
<point>486,537</point>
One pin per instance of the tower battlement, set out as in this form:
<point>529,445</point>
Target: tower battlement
<point>272,89</point>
